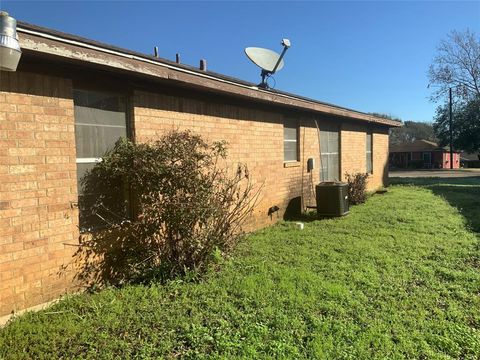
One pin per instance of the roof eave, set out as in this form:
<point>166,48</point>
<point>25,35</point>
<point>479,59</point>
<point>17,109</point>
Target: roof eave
<point>38,40</point>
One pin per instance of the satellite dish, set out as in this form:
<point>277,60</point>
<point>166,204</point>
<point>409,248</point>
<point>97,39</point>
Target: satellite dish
<point>269,61</point>
<point>264,58</point>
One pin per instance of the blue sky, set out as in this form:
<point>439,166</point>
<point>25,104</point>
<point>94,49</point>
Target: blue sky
<point>369,56</point>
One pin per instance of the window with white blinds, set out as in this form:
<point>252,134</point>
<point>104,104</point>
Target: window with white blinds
<point>290,140</point>
<point>369,152</point>
<point>100,120</point>
<point>330,149</point>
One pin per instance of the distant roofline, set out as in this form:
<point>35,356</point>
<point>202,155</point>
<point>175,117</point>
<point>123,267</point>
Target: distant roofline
<point>415,146</point>
<point>33,32</point>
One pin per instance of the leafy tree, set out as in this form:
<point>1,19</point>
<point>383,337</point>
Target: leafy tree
<point>411,131</point>
<point>465,125</point>
<point>457,66</point>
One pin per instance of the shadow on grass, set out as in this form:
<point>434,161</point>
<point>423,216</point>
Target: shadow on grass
<point>308,216</point>
<point>294,212</point>
<point>462,193</point>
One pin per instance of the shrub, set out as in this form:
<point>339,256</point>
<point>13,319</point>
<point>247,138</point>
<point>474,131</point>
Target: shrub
<point>187,209</point>
<point>357,187</point>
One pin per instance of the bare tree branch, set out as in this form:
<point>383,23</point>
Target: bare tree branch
<point>457,65</point>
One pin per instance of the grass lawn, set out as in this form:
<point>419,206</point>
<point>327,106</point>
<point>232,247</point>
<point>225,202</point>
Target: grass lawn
<point>397,278</point>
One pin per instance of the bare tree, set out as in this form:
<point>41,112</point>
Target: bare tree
<point>457,65</point>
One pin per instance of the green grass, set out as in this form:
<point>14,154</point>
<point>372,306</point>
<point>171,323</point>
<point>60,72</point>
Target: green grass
<point>397,278</point>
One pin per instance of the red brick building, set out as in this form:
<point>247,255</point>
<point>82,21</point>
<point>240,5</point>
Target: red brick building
<point>71,98</point>
<point>422,154</point>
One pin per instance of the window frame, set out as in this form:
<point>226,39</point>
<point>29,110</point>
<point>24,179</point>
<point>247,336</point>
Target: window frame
<point>129,134</point>
<point>429,153</point>
<point>368,151</point>
<point>331,128</point>
<point>297,140</point>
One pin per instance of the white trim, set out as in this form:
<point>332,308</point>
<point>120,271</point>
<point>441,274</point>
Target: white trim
<point>101,125</point>
<point>88,160</point>
<point>287,140</point>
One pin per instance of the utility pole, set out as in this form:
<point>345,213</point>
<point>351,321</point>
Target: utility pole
<point>450,127</point>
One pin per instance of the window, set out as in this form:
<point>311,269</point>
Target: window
<point>330,148</point>
<point>369,152</point>
<point>290,141</point>
<point>100,120</point>
<point>427,157</point>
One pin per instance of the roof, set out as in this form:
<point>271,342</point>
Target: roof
<point>36,40</point>
<point>417,145</point>
<point>470,156</point>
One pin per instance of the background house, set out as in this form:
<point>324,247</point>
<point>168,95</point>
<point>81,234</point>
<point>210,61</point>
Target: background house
<point>470,160</point>
<point>71,98</point>
<point>422,154</point>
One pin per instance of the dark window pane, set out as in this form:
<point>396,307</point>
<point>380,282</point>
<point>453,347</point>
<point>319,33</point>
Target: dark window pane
<point>102,199</point>
<point>99,100</point>
<point>95,214</point>
<point>290,123</point>
<point>94,141</point>
<point>93,116</point>
<point>82,169</point>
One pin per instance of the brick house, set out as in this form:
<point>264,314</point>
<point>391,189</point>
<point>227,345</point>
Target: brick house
<point>71,98</point>
<point>422,154</point>
<point>470,160</point>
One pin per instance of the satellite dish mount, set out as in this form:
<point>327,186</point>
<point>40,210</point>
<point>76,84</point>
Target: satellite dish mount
<point>268,60</point>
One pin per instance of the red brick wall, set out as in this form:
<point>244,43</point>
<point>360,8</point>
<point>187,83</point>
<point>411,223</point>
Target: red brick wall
<point>379,177</point>
<point>353,152</point>
<point>38,170</point>
<point>255,137</point>
<point>37,184</point>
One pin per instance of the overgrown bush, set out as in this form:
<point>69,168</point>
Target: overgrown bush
<point>357,184</point>
<point>185,209</point>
